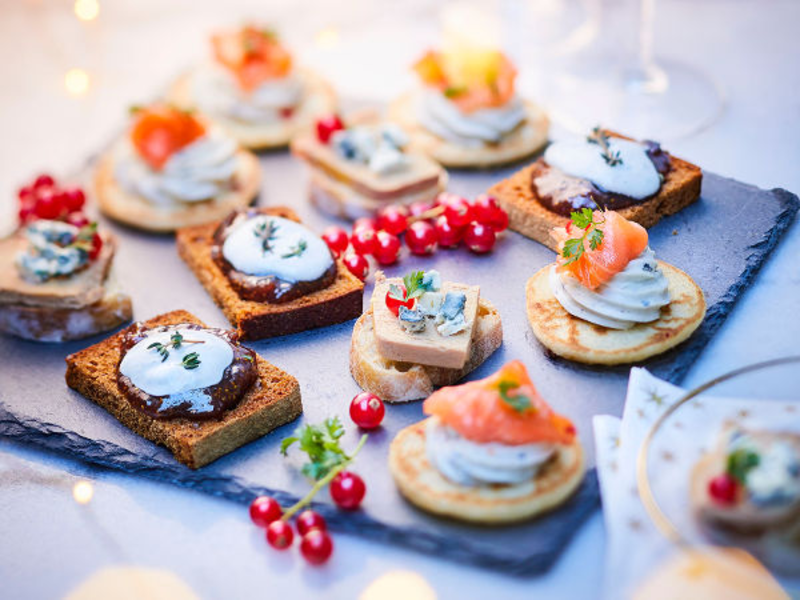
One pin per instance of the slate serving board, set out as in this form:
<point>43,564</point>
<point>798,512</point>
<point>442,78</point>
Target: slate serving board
<point>37,408</point>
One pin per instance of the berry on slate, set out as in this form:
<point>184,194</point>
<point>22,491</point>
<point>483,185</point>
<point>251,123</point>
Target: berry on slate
<point>449,235</point>
<point>357,265</point>
<point>336,238</point>
<point>327,126</point>
<point>308,520</point>
<point>387,248</point>
<point>393,219</point>
<point>421,238</point>
<point>280,534</point>
<point>363,240</point>
<point>347,490</point>
<point>316,546</point>
<point>479,238</point>
<point>487,211</point>
<point>367,410</point>
<point>264,510</point>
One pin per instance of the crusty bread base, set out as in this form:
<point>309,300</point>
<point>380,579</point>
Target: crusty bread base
<point>274,400</point>
<point>341,200</point>
<point>527,139</point>
<point>318,99</point>
<point>47,324</point>
<point>527,216</point>
<point>401,382</point>
<point>339,302</point>
<point>119,204</point>
<point>427,488</point>
<point>581,341</point>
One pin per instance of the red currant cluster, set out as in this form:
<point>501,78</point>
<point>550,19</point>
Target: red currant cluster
<point>44,198</point>
<point>448,221</point>
<point>724,489</point>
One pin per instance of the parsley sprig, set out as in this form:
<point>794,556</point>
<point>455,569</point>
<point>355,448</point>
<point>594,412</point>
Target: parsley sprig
<point>600,137</point>
<point>520,402</point>
<point>574,248</point>
<point>326,456</point>
<point>741,462</point>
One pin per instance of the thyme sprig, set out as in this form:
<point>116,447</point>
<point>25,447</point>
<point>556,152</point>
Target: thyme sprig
<point>574,248</point>
<point>175,342</point>
<point>600,137</point>
<point>191,361</point>
<point>267,232</point>
<point>296,250</point>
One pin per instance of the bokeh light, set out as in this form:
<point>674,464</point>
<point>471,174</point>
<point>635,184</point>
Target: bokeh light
<point>82,492</point>
<point>87,10</point>
<point>76,81</point>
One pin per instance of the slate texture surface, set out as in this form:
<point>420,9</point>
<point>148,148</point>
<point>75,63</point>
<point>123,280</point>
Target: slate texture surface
<point>37,408</point>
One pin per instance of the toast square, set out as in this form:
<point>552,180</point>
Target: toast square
<point>339,302</point>
<point>527,216</point>
<point>274,400</point>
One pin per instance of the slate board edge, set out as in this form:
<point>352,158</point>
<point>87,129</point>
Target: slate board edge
<point>55,438</point>
<point>718,313</point>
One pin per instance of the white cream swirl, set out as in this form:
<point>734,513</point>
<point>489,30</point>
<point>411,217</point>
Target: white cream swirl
<point>216,92</point>
<point>443,118</point>
<point>470,464</point>
<point>634,176</point>
<point>149,371</point>
<point>203,170</point>
<point>634,295</point>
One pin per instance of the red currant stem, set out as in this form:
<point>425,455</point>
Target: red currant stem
<point>431,213</point>
<point>305,500</point>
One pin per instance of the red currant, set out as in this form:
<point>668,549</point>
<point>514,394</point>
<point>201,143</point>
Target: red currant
<point>347,490</point>
<point>97,246</point>
<point>357,265</point>
<point>421,238</point>
<point>287,112</point>
<point>316,546</point>
<point>419,208</point>
<point>44,180</point>
<point>393,219</point>
<point>457,210</point>
<point>387,248</point>
<point>365,223</point>
<point>364,240</point>
<point>280,534</point>
<point>393,303</point>
<point>336,238</point>
<point>48,205</point>
<point>308,520</point>
<point>449,235</point>
<point>327,126</point>
<point>78,219</point>
<point>73,199</point>
<point>26,213</point>
<point>264,510</point>
<point>25,194</point>
<point>479,238</point>
<point>487,211</point>
<point>723,489</point>
<point>367,410</point>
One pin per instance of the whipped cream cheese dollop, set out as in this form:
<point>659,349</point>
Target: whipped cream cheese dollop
<point>202,170</point>
<point>216,92</point>
<point>265,246</point>
<point>470,464</point>
<point>156,375</point>
<point>443,118</point>
<point>634,175</point>
<point>634,295</point>
<point>50,251</point>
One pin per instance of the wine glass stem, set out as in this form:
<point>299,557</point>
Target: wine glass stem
<point>648,78</point>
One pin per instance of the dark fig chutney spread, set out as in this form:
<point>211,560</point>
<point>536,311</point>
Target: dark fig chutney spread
<point>563,194</point>
<point>200,404</point>
<point>262,288</point>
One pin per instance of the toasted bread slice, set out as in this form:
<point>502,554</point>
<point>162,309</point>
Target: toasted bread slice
<point>426,487</point>
<point>526,215</point>
<point>47,324</point>
<point>272,401</point>
<point>527,139</point>
<point>138,212</point>
<point>318,99</point>
<point>339,302</point>
<point>400,382</point>
<point>581,341</point>
<point>79,290</point>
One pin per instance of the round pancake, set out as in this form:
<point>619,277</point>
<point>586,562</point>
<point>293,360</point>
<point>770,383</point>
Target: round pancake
<point>581,341</point>
<point>318,99</point>
<point>525,140</point>
<point>424,486</point>
<point>117,203</point>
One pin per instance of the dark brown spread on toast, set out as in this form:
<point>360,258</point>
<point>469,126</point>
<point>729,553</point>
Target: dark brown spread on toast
<point>202,404</point>
<point>562,194</point>
<point>259,288</point>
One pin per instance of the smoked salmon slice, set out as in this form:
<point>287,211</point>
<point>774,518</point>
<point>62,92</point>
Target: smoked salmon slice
<point>160,131</point>
<point>252,55</point>
<point>505,408</point>
<point>623,241</point>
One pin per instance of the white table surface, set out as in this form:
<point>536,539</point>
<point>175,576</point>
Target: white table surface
<point>51,544</point>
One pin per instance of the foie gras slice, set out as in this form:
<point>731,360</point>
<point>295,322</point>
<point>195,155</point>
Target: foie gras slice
<point>427,347</point>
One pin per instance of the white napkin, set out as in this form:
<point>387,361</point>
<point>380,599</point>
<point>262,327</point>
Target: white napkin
<point>635,546</point>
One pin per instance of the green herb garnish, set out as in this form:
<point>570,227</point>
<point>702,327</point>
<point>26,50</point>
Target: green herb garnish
<point>175,341</point>
<point>741,462</point>
<point>191,361</point>
<point>413,283</point>
<point>267,232</point>
<point>600,137</point>
<point>574,248</point>
<point>520,403</point>
<point>454,91</point>
<point>296,250</point>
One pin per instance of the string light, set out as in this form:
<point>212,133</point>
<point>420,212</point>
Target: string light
<point>82,492</point>
<point>87,10</point>
<point>76,81</point>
